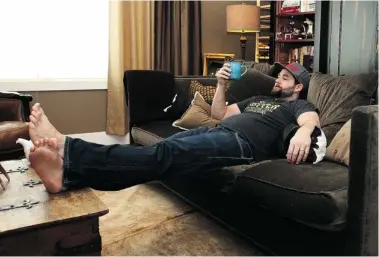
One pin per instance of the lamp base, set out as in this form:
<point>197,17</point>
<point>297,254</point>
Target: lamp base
<point>243,40</point>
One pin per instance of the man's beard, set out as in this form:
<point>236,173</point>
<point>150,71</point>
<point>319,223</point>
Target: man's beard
<point>283,93</point>
<point>287,93</point>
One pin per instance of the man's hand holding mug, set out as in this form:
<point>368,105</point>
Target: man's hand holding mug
<point>230,71</point>
<point>223,74</point>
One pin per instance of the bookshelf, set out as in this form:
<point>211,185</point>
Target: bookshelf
<point>294,32</point>
<point>263,44</point>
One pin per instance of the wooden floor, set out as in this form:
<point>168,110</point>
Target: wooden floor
<point>150,220</point>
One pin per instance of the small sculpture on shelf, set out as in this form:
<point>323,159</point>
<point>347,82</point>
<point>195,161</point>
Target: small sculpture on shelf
<point>279,35</point>
<point>286,31</point>
<point>296,30</point>
<point>293,30</point>
<point>309,33</point>
<point>297,33</point>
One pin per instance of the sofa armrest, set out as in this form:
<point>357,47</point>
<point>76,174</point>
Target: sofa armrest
<point>16,95</point>
<point>11,110</point>
<point>147,94</point>
<point>25,101</point>
<point>182,98</point>
<point>362,214</point>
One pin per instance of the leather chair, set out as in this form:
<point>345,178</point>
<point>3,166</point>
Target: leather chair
<point>14,117</point>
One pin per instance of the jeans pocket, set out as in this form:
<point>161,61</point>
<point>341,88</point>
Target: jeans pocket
<point>245,148</point>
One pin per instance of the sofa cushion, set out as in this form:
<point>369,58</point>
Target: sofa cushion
<point>265,68</point>
<point>182,98</point>
<point>197,115</point>
<point>315,195</point>
<point>153,132</point>
<point>339,149</point>
<point>207,91</point>
<point>337,96</point>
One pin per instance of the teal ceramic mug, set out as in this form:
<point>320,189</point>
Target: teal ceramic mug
<point>236,69</point>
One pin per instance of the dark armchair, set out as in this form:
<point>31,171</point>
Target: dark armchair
<point>14,115</point>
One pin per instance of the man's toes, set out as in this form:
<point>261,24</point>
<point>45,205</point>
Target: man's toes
<point>52,142</point>
<point>44,141</point>
<point>33,119</point>
<point>31,125</point>
<point>37,114</point>
<point>38,108</point>
<point>41,110</point>
<point>34,107</point>
<point>40,143</point>
<point>32,156</point>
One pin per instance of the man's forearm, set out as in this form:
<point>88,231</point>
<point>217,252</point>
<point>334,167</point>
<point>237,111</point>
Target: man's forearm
<point>219,105</point>
<point>309,121</point>
<point>309,126</point>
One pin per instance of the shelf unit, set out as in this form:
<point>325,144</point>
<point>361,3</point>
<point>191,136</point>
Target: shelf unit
<point>263,42</point>
<point>289,47</point>
<point>295,14</point>
<point>294,41</point>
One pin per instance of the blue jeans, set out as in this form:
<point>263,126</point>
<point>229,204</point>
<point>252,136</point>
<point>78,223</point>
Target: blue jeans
<point>115,167</point>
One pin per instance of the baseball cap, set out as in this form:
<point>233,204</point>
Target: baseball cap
<point>297,70</point>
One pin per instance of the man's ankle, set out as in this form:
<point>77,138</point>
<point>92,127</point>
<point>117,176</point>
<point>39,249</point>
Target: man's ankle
<point>61,145</point>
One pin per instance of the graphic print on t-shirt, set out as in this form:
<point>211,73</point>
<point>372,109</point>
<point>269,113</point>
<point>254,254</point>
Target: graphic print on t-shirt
<point>261,107</point>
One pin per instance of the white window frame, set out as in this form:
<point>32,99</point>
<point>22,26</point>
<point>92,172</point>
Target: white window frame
<point>56,84</point>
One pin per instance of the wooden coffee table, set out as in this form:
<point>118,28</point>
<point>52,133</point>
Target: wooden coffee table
<point>40,223</point>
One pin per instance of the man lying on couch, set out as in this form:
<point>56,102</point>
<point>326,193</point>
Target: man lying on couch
<point>248,133</point>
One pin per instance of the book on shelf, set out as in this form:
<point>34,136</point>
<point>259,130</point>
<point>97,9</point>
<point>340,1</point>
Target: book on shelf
<point>297,54</point>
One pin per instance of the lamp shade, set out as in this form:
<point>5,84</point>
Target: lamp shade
<point>243,18</point>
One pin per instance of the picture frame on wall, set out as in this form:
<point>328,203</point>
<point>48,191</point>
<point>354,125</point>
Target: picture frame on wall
<point>214,61</point>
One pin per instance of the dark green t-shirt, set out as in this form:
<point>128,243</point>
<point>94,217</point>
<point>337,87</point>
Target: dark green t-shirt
<point>263,120</point>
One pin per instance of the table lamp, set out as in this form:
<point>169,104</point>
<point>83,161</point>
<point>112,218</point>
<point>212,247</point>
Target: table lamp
<point>243,18</point>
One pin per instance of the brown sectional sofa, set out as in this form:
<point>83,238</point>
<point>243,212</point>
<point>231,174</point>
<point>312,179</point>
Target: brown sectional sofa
<point>324,209</point>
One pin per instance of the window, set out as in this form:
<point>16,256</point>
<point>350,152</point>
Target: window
<point>53,42</point>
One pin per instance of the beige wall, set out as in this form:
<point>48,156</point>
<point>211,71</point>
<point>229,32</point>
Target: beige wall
<point>74,111</point>
<point>85,111</point>
<point>214,36</point>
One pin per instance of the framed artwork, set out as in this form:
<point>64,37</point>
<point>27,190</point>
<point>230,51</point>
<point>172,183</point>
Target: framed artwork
<point>214,61</point>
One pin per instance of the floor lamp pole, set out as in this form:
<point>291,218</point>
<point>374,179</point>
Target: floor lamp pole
<point>243,40</point>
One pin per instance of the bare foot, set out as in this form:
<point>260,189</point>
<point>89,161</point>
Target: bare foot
<point>45,160</point>
<point>40,126</point>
